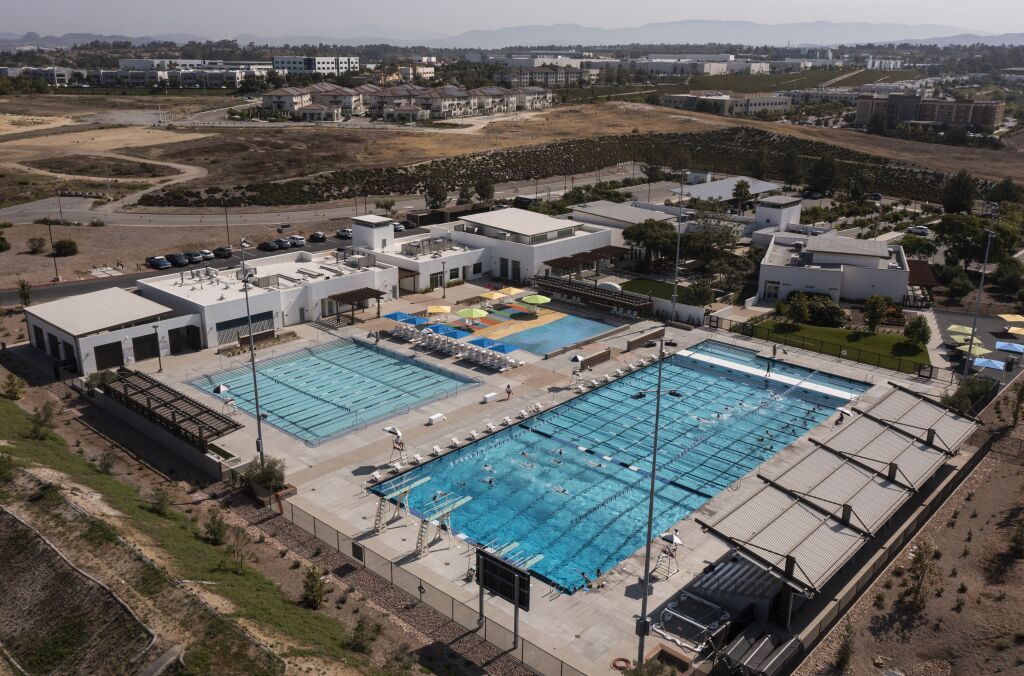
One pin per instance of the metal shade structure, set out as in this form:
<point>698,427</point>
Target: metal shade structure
<point>959,328</point>
<point>1013,319</point>
<point>439,309</point>
<point>990,364</point>
<point>1009,347</point>
<point>415,321</point>
<point>974,350</point>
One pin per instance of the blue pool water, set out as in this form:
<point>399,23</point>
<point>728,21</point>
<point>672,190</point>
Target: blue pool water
<point>321,392</point>
<point>565,331</point>
<point>571,484</point>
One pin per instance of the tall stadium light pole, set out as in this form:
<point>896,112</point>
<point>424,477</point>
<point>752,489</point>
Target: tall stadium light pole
<point>49,229</point>
<point>252,353</point>
<point>977,305</point>
<point>642,626</point>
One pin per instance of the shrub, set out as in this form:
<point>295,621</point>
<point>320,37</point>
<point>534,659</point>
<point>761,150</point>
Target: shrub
<point>105,462</point>
<point>65,247</point>
<point>4,244</point>
<point>844,654</point>
<point>36,245</point>
<point>269,474</point>
<point>1017,541</point>
<point>44,418</point>
<point>959,287</point>
<point>216,528</point>
<point>969,396</point>
<point>159,500</point>
<point>362,637</point>
<point>314,589</point>
<point>13,387</point>
<point>917,331</point>
<point>399,661</point>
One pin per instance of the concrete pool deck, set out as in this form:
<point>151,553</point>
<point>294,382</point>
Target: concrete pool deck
<point>587,630</point>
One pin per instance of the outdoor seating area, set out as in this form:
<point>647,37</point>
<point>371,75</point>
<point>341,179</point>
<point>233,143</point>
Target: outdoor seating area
<point>444,339</point>
<point>965,343</point>
<point>579,293</point>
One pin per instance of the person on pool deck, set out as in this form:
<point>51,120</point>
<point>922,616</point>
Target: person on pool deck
<point>508,391</point>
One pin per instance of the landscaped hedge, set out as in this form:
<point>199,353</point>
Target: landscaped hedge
<point>731,150</point>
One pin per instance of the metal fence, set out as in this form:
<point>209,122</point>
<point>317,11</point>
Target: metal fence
<point>840,351</point>
<point>419,589</point>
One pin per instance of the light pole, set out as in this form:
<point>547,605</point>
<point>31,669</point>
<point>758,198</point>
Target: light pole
<point>49,229</point>
<point>252,352</point>
<point>642,626</point>
<point>977,305</point>
<point>444,281</point>
<point>159,359</point>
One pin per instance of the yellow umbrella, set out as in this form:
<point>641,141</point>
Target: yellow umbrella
<point>439,309</point>
<point>958,338</point>
<point>974,350</point>
<point>1016,330</point>
<point>959,328</point>
<point>493,295</point>
<point>1012,318</point>
<point>509,291</point>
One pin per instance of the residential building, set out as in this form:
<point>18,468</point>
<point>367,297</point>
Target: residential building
<point>287,99</point>
<point>532,98</point>
<point>839,267</point>
<point>896,109</point>
<point>547,76</point>
<point>345,101</point>
<point>321,101</point>
<point>445,102</point>
<point>416,72</point>
<point>491,100</point>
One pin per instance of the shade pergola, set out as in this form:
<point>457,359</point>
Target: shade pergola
<point>354,297</point>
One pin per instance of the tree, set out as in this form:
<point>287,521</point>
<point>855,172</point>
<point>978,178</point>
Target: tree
<point>962,235</point>
<point>959,193</point>
<point>65,247</point>
<point>918,247</point>
<point>24,292</point>
<point>269,474</point>
<point>844,654</point>
<point>969,396</point>
<point>741,193</point>
<point>1006,191</point>
<point>484,188</point>
<point>435,194</point>
<point>959,287</point>
<point>917,331</point>
<point>240,548</point>
<point>792,173</point>
<point>824,175</point>
<point>922,573</point>
<point>875,308</point>
<point>385,205</point>
<point>13,387</point>
<point>654,237</point>
<point>798,311</point>
<point>314,589</point>
<point>216,528</point>
<point>759,164</point>
<point>4,244</point>
<point>36,245</point>
<point>465,194</point>
<point>1009,276</point>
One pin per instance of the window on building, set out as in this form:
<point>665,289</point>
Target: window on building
<point>436,279</point>
<point>516,273</point>
<point>503,268</point>
<point>478,268</point>
<point>453,273</point>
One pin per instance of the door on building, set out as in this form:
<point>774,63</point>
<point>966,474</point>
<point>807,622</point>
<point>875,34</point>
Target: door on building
<point>771,290</point>
<point>109,356</point>
<point>503,268</point>
<point>70,362</point>
<point>146,347</point>
<point>517,275</point>
<point>40,338</point>
<point>54,346</point>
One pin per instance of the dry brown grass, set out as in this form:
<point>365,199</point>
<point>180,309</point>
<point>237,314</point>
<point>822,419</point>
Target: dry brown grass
<point>77,105</point>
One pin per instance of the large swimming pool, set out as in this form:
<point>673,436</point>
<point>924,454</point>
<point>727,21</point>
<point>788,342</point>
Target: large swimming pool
<point>571,484</point>
<point>553,335</point>
<point>324,391</point>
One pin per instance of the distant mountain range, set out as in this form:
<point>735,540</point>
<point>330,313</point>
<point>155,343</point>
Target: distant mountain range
<point>817,33</point>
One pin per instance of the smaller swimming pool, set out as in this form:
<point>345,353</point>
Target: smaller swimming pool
<point>553,335</point>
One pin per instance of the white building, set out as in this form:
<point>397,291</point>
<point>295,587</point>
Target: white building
<point>309,65</point>
<point>692,57</point>
<point>749,67</point>
<point>616,217</point>
<point>839,267</point>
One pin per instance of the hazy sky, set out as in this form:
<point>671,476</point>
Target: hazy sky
<point>432,18</point>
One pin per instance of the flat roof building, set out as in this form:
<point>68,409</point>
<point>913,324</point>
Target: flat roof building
<point>616,216</point>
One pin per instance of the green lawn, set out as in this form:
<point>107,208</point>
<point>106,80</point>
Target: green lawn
<point>651,287</point>
<point>891,351</point>
<point>255,597</point>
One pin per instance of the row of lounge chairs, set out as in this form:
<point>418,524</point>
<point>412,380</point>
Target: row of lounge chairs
<point>437,343</point>
<point>624,313</point>
<point>584,385</point>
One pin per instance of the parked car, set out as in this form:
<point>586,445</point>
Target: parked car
<point>297,240</point>
<point>268,245</point>
<point>344,233</point>
<point>283,243</point>
<point>922,230</point>
<point>223,252</point>
<point>178,260</point>
<point>408,224</point>
<point>207,254</point>
<point>317,237</point>
<point>194,257</point>
<point>399,227</point>
<point>158,262</point>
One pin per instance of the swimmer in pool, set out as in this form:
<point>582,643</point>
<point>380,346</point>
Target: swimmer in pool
<point>527,465</point>
<point>524,454</point>
<point>488,468</point>
<point>489,481</point>
<point>557,461</point>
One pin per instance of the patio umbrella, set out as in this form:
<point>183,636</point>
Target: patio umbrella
<point>220,389</point>
<point>1017,331</point>
<point>458,335</point>
<point>958,328</point>
<point>990,364</point>
<point>1012,318</point>
<point>1009,347</point>
<point>672,538</point>
<point>963,340</point>
<point>577,358</point>
<point>974,350</point>
<point>397,316</point>
<point>482,342</point>
<point>535,299</point>
<point>509,291</point>
<point>415,321</point>
<point>471,313</point>
<point>439,309</point>
<point>503,348</point>
<point>493,295</point>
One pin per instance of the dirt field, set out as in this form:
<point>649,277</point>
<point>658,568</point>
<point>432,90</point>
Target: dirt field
<point>96,165</point>
<point>18,186</point>
<point>16,124</point>
<point>79,105</point>
<point>973,622</point>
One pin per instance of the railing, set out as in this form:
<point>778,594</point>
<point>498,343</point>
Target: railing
<point>467,616</point>
<point>847,352</point>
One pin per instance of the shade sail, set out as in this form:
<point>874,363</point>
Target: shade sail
<point>397,316</point>
<point>415,321</point>
<point>493,295</point>
<point>1009,347</point>
<point>1016,319</point>
<point>990,364</point>
<point>974,350</point>
<point>439,309</point>
<point>959,328</point>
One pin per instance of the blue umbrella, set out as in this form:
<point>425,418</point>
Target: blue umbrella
<point>502,348</point>
<point>1009,347</point>
<point>459,335</point>
<point>443,330</point>
<point>415,321</point>
<point>482,342</point>
<point>397,316</point>
<point>990,364</point>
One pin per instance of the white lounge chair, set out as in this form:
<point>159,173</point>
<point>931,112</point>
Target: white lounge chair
<point>491,427</point>
<point>417,458</point>
<point>375,478</point>
<point>435,451</point>
<point>523,414</point>
<point>506,421</point>
<point>580,389</point>
<point>537,406</point>
<point>454,443</point>
<point>472,435</point>
<point>396,466</point>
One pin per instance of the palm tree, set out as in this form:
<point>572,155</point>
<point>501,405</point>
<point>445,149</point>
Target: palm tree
<point>741,193</point>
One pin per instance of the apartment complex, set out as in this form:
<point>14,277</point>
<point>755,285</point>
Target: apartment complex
<point>904,108</point>
<point>553,77</point>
